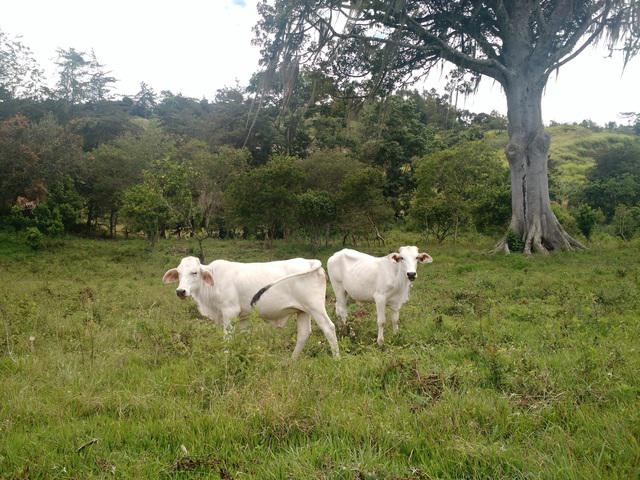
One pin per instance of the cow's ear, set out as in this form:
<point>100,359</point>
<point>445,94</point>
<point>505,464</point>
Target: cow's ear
<point>425,258</point>
<point>171,276</point>
<point>396,257</point>
<point>206,276</point>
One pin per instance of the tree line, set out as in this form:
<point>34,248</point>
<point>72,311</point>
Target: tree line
<point>267,160</point>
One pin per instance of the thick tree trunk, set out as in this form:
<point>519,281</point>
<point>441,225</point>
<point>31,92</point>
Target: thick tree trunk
<point>532,219</point>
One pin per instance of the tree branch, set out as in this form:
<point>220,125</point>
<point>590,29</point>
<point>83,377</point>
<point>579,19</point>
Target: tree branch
<point>489,67</point>
<point>557,57</point>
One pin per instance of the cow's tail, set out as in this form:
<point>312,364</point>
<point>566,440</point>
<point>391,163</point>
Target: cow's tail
<point>316,265</point>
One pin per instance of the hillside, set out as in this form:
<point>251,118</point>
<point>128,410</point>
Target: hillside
<point>571,155</point>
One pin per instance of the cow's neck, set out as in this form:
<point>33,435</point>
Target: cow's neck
<point>402,281</point>
<point>205,298</point>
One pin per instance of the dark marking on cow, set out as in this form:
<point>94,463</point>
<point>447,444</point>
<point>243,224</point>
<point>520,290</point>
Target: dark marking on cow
<point>257,296</point>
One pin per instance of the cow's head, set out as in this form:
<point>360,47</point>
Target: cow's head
<point>408,258</point>
<point>191,275</point>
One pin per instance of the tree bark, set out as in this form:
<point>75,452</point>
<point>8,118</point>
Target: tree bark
<point>532,219</point>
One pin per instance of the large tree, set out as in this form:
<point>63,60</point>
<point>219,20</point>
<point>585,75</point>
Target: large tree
<point>378,45</point>
<point>20,74</point>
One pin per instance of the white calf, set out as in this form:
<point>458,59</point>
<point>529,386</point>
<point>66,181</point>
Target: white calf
<point>383,280</point>
<point>224,290</point>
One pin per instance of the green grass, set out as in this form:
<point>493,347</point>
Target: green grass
<point>504,367</point>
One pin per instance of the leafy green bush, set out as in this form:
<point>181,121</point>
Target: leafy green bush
<point>586,219</point>
<point>466,185</point>
<point>514,242</point>
<point>146,210</point>
<point>34,238</point>
<point>316,211</point>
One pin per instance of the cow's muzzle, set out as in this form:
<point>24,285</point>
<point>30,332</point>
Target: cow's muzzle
<point>181,293</point>
<point>411,276</point>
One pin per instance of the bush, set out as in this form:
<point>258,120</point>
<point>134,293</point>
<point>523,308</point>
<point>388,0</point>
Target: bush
<point>586,219</point>
<point>34,238</point>
<point>316,212</point>
<point>145,209</point>
<point>514,242</point>
<point>48,220</point>
<point>463,186</point>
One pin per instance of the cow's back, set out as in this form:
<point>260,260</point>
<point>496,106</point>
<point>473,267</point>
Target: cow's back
<point>241,281</point>
<point>357,273</point>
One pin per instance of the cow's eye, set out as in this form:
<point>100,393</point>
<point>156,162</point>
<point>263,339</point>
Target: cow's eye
<point>194,273</point>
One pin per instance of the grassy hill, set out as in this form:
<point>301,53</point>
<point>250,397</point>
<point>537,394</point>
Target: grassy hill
<point>572,153</point>
<point>504,367</point>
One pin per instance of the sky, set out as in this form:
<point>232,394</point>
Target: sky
<point>196,47</point>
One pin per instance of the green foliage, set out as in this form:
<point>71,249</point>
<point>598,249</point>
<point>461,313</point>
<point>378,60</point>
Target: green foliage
<point>146,210</point>
<point>264,198</point>
<point>586,219</point>
<point>616,178</point>
<point>626,221</point>
<point>190,151</point>
<point>214,172</point>
<point>316,211</point>
<point>34,156</point>
<point>34,238</point>
<point>361,203</point>
<point>459,187</point>
<point>514,241</point>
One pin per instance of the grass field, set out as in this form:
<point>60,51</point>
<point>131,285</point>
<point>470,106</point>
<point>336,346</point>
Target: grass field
<point>504,367</point>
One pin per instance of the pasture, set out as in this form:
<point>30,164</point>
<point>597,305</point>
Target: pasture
<point>504,367</point>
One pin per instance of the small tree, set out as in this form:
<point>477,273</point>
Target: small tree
<point>316,213</point>
<point>362,207</point>
<point>146,210</point>
<point>586,218</point>
<point>214,174</point>
<point>458,187</point>
<point>626,221</point>
<point>264,198</point>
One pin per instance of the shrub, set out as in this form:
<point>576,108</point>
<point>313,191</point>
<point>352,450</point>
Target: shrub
<point>34,238</point>
<point>316,212</point>
<point>586,219</point>
<point>514,241</point>
<point>145,210</point>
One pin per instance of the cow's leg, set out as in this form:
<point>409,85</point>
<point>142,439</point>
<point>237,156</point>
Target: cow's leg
<point>328,328</point>
<point>227,326</point>
<point>395,315</point>
<point>381,303</point>
<point>341,301</point>
<point>304,330</point>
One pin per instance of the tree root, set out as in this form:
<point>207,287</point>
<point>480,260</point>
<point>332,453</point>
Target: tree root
<point>544,235</point>
<point>501,247</point>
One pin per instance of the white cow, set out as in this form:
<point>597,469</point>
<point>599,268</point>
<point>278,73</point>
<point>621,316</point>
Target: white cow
<point>225,290</point>
<point>383,280</point>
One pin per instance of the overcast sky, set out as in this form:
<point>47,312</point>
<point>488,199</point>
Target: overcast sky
<point>195,47</point>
